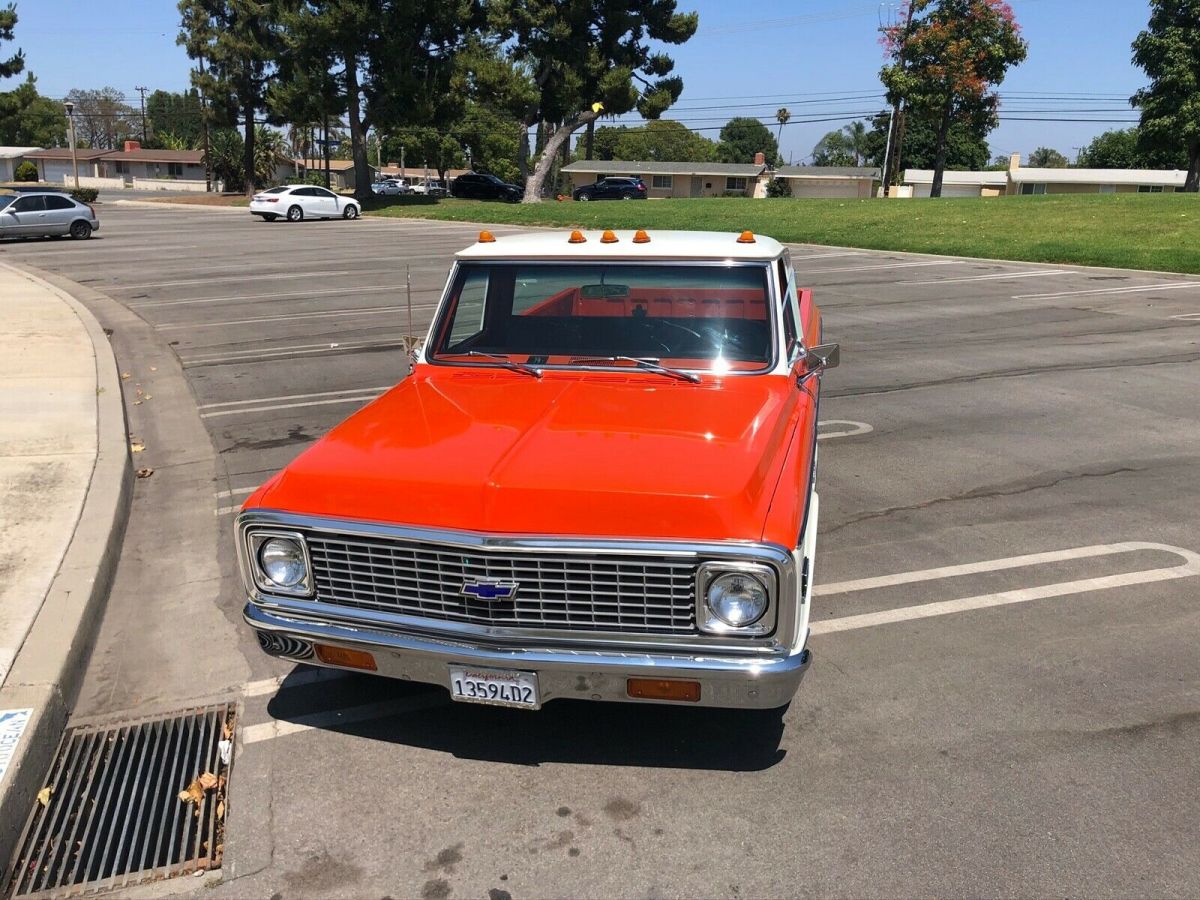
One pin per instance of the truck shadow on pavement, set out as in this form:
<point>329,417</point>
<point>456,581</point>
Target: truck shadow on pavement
<point>563,731</point>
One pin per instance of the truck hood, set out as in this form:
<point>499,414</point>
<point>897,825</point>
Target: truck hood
<point>606,454</point>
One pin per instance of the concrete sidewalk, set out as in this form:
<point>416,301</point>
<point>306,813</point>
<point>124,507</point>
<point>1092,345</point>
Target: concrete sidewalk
<point>64,496</point>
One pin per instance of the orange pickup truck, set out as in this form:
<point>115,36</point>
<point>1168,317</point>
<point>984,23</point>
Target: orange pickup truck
<point>597,483</point>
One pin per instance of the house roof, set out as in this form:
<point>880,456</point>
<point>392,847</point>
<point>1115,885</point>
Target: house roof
<point>14,152</point>
<point>1098,176</point>
<point>839,172</point>
<point>635,167</point>
<point>983,179</point>
<point>65,153</point>
<point>190,157</point>
<point>335,165</point>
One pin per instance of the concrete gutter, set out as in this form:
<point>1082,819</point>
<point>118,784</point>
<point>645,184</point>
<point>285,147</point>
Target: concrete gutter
<point>47,671</point>
<point>167,204</point>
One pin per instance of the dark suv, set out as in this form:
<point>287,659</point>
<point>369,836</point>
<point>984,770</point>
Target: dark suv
<point>612,189</point>
<point>474,186</point>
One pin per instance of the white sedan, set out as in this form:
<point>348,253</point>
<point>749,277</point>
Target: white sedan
<point>296,202</point>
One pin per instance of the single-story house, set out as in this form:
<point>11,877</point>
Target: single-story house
<point>10,158</point>
<point>341,172</point>
<point>1018,179</point>
<point>958,184</point>
<point>1094,181</point>
<point>830,181</point>
<point>134,163</point>
<point>676,179</point>
<point>54,164</point>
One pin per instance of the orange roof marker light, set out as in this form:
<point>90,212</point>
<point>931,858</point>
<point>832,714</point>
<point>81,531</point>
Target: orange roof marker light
<point>576,238</point>
<point>608,238</point>
<point>746,237</point>
<point>486,237</point>
<point>640,236</point>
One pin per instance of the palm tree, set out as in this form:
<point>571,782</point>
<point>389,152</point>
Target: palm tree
<point>856,141</point>
<point>781,116</point>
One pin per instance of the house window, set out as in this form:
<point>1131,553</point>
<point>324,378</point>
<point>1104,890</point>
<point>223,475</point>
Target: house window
<point>1108,188</point>
<point>175,170</point>
<point>1030,188</point>
<point>1150,188</point>
<point>122,167</point>
<point>666,182</point>
<point>735,184</point>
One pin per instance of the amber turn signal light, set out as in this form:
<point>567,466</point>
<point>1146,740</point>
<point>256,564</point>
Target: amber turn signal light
<point>486,237</point>
<point>640,236</point>
<point>576,238</point>
<point>608,238</point>
<point>663,689</point>
<point>746,237</point>
<point>342,656</point>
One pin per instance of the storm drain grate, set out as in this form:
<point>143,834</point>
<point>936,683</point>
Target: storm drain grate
<point>129,802</point>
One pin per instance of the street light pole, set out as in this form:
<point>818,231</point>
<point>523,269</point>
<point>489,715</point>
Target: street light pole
<point>70,108</point>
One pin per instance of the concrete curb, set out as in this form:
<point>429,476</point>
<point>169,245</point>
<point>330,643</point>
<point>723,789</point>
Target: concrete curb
<point>49,667</point>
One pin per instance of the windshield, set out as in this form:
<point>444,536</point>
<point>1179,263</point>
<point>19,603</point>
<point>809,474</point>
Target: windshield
<point>707,318</point>
<point>6,199</point>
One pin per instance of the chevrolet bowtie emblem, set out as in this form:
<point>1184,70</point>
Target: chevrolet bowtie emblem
<point>489,589</point>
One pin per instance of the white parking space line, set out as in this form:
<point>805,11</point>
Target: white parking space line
<point>252,734</point>
<point>1188,317</point>
<point>852,429</point>
<point>277,352</point>
<point>1189,567</point>
<point>895,265</point>
<point>361,398</point>
<point>1002,276</point>
<point>236,492</point>
<point>293,679</point>
<point>282,295</point>
<point>257,400</point>
<point>262,320</point>
<point>242,277</point>
<point>1132,289</point>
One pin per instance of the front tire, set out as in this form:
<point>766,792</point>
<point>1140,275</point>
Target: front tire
<point>295,214</point>
<point>584,197</point>
<point>81,230</point>
<point>350,212</point>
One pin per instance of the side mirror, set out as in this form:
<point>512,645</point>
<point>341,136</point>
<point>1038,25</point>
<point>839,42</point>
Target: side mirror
<point>823,356</point>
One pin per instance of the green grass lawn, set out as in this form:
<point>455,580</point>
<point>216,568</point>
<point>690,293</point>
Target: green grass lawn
<point>1133,231</point>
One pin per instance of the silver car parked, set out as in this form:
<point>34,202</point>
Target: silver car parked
<point>39,214</point>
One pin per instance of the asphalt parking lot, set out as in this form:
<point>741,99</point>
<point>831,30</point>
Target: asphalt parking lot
<point>1005,698</point>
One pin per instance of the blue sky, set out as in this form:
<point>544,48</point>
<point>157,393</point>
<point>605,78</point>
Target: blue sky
<point>771,53</point>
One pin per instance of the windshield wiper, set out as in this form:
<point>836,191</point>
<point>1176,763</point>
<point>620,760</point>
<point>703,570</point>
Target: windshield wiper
<point>649,364</point>
<point>506,362</point>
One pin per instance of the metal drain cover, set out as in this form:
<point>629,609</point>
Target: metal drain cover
<point>128,802</point>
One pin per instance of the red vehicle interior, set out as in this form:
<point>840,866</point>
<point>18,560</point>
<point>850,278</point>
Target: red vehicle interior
<point>660,302</point>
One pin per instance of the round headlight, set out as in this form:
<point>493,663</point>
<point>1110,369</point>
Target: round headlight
<point>282,561</point>
<point>737,599</point>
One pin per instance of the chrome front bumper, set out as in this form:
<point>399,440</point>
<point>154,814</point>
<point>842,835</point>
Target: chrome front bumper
<point>760,682</point>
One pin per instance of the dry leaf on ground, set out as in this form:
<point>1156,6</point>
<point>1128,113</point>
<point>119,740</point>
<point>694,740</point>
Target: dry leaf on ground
<point>43,796</point>
<point>208,781</point>
<point>193,793</point>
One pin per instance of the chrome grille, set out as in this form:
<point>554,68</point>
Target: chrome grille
<point>601,592</point>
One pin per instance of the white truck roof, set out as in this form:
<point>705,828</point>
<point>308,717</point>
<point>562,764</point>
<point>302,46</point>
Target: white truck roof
<point>707,245</point>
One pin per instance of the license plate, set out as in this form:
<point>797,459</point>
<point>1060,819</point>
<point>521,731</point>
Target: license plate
<point>500,687</point>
